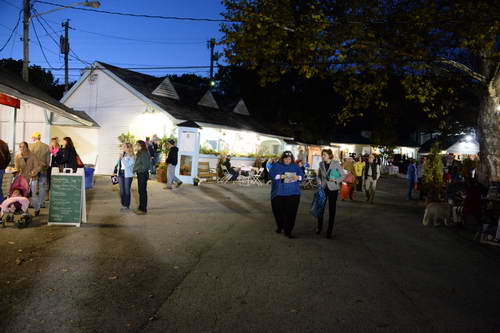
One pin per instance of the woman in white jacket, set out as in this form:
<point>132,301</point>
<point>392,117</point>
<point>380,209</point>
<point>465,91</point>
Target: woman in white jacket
<point>124,170</point>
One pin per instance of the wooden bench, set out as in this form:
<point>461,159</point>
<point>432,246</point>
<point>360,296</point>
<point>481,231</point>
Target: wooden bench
<point>204,171</point>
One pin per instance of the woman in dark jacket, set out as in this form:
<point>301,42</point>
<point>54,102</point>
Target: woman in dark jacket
<point>141,167</point>
<point>68,154</point>
<point>56,156</point>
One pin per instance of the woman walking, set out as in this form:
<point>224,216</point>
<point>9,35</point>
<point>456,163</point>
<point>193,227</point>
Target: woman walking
<point>56,157</point>
<point>68,154</point>
<point>29,166</point>
<point>285,193</point>
<point>124,169</point>
<point>142,166</point>
<point>330,175</point>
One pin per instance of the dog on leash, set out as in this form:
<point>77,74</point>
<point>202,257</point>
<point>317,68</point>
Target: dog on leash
<point>435,212</point>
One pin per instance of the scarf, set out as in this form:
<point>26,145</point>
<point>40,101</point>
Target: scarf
<point>54,150</point>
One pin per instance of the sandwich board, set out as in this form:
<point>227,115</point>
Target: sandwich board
<point>67,197</point>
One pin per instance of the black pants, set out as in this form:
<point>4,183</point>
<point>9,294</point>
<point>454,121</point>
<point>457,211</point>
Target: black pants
<point>359,184</point>
<point>142,183</point>
<point>331,197</point>
<point>285,211</point>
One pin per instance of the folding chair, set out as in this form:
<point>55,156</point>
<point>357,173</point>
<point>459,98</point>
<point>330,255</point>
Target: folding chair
<point>256,178</point>
<point>245,180</point>
<point>226,177</point>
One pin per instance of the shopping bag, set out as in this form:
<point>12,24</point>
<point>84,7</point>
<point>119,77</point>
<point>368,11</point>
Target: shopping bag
<point>350,179</point>
<point>344,191</point>
<point>318,203</point>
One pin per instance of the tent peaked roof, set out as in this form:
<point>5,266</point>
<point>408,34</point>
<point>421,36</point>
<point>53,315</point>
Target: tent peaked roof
<point>17,87</point>
<point>166,89</point>
<point>188,106</point>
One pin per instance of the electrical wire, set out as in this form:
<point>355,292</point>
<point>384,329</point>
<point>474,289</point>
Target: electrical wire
<point>134,39</point>
<point>137,15</point>
<point>12,32</point>
<point>159,67</point>
<point>74,55</point>
<point>43,52</point>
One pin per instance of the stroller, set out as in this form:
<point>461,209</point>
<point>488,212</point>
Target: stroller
<point>14,209</point>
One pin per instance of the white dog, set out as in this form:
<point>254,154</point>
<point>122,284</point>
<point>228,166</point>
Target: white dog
<point>436,211</point>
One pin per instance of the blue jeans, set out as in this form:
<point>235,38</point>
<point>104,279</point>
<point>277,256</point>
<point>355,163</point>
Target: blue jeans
<point>125,185</point>
<point>38,191</point>
<point>171,178</point>
<point>411,183</point>
<point>2,172</point>
<point>142,184</point>
<point>42,181</point>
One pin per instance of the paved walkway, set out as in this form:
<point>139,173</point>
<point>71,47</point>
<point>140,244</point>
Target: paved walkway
<point>207,260</point>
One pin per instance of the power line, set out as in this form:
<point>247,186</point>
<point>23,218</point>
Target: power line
<point>146,68</point>
<point>133,39</point>
<point>43,52</point>
<point>74,55</point>
<point>12,32</point>
<point>137,15</point>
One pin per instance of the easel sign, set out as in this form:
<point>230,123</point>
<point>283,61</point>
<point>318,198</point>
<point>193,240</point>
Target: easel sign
<point>67,198</point>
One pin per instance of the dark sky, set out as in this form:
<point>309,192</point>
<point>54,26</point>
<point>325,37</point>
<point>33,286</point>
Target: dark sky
<point>158,42</point>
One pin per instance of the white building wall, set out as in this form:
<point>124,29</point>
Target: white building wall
<point>30,118</point>
<point>117,111</point>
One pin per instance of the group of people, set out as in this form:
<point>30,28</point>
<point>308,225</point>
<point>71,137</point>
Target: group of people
<point>139,162</point>
<point>34,162</point>
<point>286,176</point>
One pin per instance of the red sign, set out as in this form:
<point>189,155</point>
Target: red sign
<point>10,101</point>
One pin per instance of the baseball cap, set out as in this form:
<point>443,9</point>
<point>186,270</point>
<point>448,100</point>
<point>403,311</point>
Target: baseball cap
<point>36,135</point>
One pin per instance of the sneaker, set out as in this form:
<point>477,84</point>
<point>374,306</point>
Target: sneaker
<point>178,185</point>
<point>139,212</point>
<point>167,188</point>
<point>124,209</point>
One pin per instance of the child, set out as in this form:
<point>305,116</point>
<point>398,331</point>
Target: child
<point>15,203</point>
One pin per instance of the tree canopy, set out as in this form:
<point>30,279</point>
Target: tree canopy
<point>39,77</point>
<point>360,43</point>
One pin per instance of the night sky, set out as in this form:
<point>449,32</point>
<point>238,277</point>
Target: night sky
<point>158,42</point>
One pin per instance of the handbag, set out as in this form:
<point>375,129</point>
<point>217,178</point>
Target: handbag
<point>350,179</point>
<point>318,203</point>
<point>114,180</point>
<point>79,163</point>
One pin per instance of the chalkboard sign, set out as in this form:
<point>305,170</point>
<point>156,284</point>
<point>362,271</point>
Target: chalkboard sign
<point>66,199</point>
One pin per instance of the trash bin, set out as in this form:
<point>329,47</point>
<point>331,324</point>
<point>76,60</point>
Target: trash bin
<point>89,177</point>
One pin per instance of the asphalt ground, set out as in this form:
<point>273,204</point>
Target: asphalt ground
<point>206,259</point>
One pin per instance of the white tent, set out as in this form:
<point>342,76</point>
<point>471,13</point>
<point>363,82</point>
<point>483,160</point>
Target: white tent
<point>464,147</point>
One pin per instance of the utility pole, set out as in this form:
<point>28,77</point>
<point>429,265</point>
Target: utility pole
<point>26,39</point>
<point>211,45</point>
<point>64,44</point>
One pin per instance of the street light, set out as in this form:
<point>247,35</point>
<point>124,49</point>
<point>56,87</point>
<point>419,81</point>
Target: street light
<point>26,25</point>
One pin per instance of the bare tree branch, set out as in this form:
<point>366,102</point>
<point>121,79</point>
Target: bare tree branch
<point>464,69</point>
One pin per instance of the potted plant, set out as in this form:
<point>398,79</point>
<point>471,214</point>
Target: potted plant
<point>126,138</point>
<point>196,181</point>
<point>161,173</point>
<point>434,186</point>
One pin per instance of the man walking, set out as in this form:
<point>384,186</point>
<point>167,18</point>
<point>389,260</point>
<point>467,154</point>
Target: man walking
<point>4,163</point>
<point>411,175</point>
<point>172,159</point>
<point>42,152</point>
<point>371,174</point>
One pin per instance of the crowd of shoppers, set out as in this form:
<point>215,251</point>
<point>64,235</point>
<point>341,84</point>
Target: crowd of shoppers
<point>34,162</point>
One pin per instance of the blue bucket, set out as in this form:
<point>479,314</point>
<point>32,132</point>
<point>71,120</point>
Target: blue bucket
<point>89,178</point>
